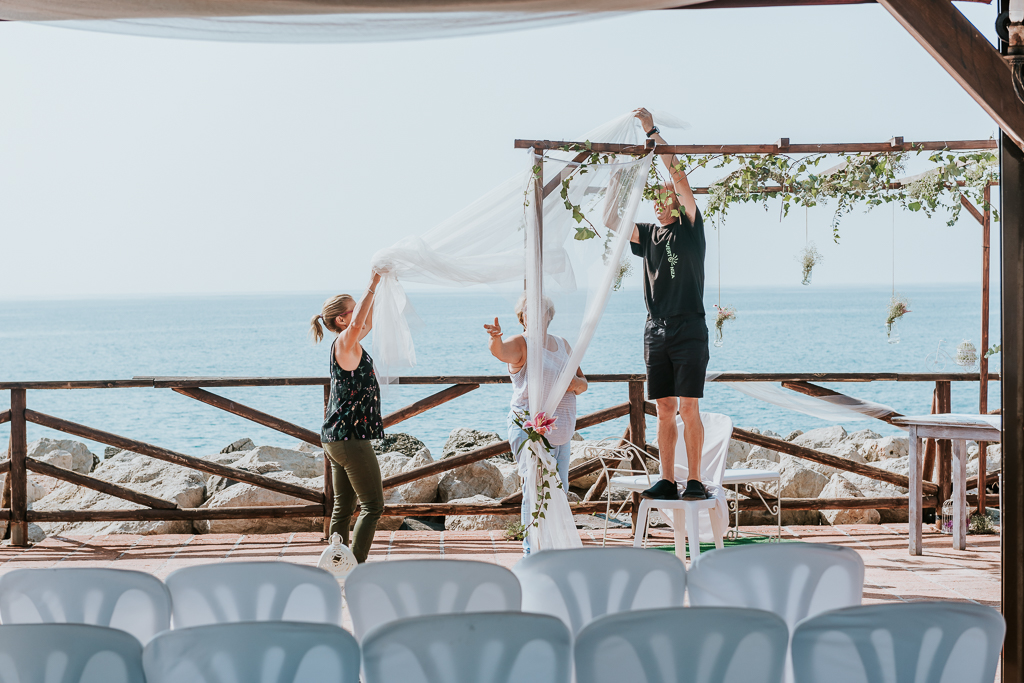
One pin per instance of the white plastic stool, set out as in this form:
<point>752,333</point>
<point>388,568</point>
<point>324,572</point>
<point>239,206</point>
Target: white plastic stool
<point>685,524</point>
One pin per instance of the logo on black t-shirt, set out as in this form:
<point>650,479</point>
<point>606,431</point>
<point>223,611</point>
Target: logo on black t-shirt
<point>672,261</point>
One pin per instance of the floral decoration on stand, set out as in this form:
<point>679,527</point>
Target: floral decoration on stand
<point>724,314</point>
<point>536,430</point>
<point>898,307</point>
<point>966,355</point>
<point>809,257</point>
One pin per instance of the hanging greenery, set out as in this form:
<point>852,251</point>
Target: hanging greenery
<point>899,306</point>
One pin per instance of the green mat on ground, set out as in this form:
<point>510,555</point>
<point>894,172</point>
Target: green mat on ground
<point>728,543</point>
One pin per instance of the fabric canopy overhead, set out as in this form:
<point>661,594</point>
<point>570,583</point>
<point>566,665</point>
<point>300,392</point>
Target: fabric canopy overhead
<point>338,21</point>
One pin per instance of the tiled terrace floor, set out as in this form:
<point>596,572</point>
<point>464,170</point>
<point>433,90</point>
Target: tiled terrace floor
<point>891,573</point>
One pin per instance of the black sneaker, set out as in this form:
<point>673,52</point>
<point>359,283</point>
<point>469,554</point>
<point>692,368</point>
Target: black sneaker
<point>695,491</point>
<point>663,490</point>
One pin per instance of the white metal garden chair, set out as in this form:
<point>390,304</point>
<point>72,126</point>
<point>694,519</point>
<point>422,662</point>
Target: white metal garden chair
<point>131,601</point>
<point>791,580</point>
<point>683,645</point>
<point>253,591</point>
<point>917,642</point>
<point>618,458</point>
<point>256,652</point>
<point>69,653</point>
<point>479,647</point>
<point>582,584</point>
<point>383,592</point>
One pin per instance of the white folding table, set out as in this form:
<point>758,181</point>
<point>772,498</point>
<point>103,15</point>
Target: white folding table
<point>959,429</point>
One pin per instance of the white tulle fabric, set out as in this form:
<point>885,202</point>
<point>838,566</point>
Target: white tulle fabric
<point>829,408</point>
<point>498,240</point>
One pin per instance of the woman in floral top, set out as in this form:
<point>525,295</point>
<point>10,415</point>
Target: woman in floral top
<point>352,418</point>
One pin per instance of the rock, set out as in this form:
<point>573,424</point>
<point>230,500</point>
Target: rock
<point>180,485</point>
<point>419,491</point>
<point>248,495</point>
<point>398,443</point>
<point>845,450</point>
<point>839,487</point>
<point>477,478</point>
<point>477,522</point>
<point>576,436</point>
<point>578,455</point>
<point>240,445</point>
<point>509,478</point>
<point>761,464</point>
<point>885,448</point>
<point>762,453</point>
<point>463,440</point>
<point>738,452</point>
<point>793,434</point>
<point>271,459</point>
<point>216,483</point>
<point>993,460</point>
<point>874,488</point>
<point>772,435</point>
<point>35,533</point>
<point>786,460</point>
<point>110,451</point>
<point>83,461</point>
<point>858,437</point>
<point>822,437</point>
<point>306,447</point>
<point>800,482</point>
<point>61,459</point>
<point>36,487</point>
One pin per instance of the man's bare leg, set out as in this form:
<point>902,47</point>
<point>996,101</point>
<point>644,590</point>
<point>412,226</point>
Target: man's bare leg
<point>668,435</point>
<point>693,435</point>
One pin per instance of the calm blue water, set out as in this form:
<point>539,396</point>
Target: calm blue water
<point>805,329</point>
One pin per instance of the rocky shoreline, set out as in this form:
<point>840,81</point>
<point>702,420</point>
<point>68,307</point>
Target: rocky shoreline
<point>482,482</point>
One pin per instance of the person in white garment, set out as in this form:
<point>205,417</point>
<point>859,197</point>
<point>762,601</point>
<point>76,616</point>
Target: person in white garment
<point>512,352</point>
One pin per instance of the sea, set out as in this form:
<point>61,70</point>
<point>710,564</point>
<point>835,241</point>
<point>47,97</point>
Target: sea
<point>797,329</point>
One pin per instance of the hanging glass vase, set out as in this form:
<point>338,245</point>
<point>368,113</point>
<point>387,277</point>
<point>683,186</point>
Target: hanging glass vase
<point>893,332</point>
<point>719,342</point>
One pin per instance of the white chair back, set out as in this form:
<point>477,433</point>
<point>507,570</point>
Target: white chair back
<point>480,647</point>
<point>69,653</point>
<point>918,642</point>
<point>385,591</point>
<point>131,601</point>
<point>253,591</point>
<point>717,435</point>
<point>792,580</point>
<point>582,584</point>
<point>683,645</point>
<point>256,652</point>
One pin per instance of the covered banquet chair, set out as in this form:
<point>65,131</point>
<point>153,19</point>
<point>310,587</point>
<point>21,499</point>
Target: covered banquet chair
<point>69,653</point>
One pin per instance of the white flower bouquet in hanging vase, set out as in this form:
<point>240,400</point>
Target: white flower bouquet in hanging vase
<point>724,314</point>
<point>809,257</point>
<point>899,306</point>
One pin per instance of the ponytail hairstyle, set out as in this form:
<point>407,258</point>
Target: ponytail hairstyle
<point>333,307</point>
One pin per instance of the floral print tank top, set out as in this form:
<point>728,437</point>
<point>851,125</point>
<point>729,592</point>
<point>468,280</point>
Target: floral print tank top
<point>353,411</point>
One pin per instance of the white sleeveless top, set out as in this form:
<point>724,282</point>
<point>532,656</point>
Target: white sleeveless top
<point>565,413</point>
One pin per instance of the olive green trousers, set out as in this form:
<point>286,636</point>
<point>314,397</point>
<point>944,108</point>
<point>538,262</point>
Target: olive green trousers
<point>356,476</point>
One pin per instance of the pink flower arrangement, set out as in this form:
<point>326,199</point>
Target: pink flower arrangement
<point>542,424</point>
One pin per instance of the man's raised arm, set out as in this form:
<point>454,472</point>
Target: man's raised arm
<point>680,182</point>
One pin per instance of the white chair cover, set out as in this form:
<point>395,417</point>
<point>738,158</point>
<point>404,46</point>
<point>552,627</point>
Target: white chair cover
<point>131,601</point>
<point>792,580</point>
<point>385,591</point>
<point>482,647</point>
<point>582,584</point>
<point>918,642</point>
<point>253,652</point>
<point>253,591</point>
<point>717,435</point>
<point>683,645</point>
<point>69,653</point>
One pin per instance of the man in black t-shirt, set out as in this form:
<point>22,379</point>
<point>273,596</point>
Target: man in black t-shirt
<point>676,336</point>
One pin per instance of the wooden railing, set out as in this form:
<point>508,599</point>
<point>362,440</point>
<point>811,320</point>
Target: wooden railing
<point>14,506</point>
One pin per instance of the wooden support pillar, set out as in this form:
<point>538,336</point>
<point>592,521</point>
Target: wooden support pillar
<point>637,434</point>
<point>986,237</point>
<point>18,475</point>
<point>328,479</point>
<point>943,451</point>
<point>928,467</point>
<point>1011,197</point>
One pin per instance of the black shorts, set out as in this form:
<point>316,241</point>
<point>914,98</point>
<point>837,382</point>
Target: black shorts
<point>676,353</point>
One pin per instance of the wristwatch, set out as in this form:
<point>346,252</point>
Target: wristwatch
<point>652,131</point>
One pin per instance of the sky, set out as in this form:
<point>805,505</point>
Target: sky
<point>134,166</point>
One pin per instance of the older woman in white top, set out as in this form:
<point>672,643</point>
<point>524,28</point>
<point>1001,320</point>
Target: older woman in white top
<point>512,351</point>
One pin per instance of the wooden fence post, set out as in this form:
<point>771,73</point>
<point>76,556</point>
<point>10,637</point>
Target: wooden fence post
<point>943,452</point>
<point>328,481</point>
<point>18,474</point>
<point>637,435</point>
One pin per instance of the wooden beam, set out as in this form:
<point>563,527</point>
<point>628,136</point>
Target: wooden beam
<point>18,476</point>
<point>251,414</point>
<point>427,403</point>
<point>966,55</point>
<point>263,512</point>
<point>772,148</point>
<point>809,389</point>
<point>166,455</point>
<point>5,416</point>
<point>99,485</point>
<point>972,209</point>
